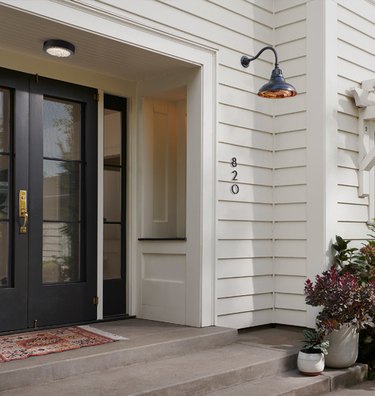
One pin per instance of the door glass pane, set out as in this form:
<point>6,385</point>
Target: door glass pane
<point>112,194</point>
<point>4,186</point>
<point>112,251</point>
<point>4,255</point>
<point>61,190</point>
<point>60,252</point>
<point>4,120</point>
<point>61,129</point>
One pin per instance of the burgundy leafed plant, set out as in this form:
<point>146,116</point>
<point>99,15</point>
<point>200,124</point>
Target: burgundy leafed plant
<point>343,299</point>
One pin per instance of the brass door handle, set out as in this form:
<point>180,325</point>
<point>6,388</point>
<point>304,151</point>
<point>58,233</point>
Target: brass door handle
<point>23,227</point>
<point>22,211</point>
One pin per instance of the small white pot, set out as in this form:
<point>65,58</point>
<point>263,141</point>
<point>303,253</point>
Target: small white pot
<point>343,347</point>
<point>310,363</point>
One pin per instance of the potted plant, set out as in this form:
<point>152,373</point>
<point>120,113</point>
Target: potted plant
<point>362,263</point>
<point>347,305</point>
<point>310,359</point>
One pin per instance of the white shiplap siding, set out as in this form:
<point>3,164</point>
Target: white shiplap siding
<point>245,246</point>
<point>290,192</point>
<point>356,62</point>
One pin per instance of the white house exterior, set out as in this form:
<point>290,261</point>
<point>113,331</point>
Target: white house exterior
<point>198,252</point>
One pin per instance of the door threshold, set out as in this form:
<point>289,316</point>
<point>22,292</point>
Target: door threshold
<point>112,318</point>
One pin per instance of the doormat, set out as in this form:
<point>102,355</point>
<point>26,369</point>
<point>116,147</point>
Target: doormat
<point>36,343</point>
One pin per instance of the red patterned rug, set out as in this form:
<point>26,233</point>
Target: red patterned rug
<point>35,343</point>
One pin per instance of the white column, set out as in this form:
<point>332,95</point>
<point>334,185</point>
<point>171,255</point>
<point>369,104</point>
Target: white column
<point>321,135</point>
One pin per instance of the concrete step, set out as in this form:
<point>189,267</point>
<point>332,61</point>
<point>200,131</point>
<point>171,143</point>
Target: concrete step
<point>365,388</point>
<point>292,383</point>
<point>234,370</point>
<point>147,341</point>
<point>170,360</point>
<point>192,374</point>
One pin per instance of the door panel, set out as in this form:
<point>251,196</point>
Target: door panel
<point>47,273</point>
<point>63,209</point>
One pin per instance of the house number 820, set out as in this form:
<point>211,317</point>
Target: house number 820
<point>234,187</point>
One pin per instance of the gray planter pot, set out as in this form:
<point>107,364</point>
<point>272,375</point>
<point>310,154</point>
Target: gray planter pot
<point>343,347</point>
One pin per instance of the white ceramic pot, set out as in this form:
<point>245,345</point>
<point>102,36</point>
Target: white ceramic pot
<point>343,347</point>
<point>310,363</point>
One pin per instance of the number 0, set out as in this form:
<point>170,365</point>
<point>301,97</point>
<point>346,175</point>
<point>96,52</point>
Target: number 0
<point>235,189</point>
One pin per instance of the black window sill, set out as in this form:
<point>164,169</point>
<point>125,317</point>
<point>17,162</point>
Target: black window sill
<point>162,239</point>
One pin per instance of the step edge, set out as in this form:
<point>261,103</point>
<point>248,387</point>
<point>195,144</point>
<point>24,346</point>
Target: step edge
<point>231,377</point>
<point>105,360</point>
<point>325,384</point>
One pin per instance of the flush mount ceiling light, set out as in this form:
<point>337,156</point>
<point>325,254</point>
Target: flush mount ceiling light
<point>59,48</point>
<point>277,87</point>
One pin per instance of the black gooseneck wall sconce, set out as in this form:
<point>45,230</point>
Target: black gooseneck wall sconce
<point>277,87</point>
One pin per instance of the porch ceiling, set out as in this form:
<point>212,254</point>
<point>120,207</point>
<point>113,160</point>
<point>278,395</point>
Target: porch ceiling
<point>25,33</point>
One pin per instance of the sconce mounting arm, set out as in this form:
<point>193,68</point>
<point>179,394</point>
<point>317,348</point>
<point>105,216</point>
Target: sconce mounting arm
<point>245,60</point>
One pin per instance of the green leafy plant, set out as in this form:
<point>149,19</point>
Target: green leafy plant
<point>314,342</point>
<point>359,262</point>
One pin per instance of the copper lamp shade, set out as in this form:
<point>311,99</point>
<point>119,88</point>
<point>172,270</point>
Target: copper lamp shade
<point>277,87</point>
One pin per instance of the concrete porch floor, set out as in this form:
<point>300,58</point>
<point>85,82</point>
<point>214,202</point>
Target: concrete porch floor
<point>166,359</point>
<point>139,333</point>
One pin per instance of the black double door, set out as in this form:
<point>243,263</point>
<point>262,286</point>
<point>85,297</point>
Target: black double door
<point>48,202</point>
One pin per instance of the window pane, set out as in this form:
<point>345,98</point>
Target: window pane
<point>61,129</point>
<point>112,251</point>
<point>61,200</point>
<point>4,186</point>
<point>4,256</point>
<point>61,252</point>
<point>112,194</point>
<point>4,120</point>
<point>112,135</point>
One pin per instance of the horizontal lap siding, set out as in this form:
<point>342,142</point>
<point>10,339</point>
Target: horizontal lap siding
<point>290,190</point>
<point>245,126</point>
<point>356,62</point>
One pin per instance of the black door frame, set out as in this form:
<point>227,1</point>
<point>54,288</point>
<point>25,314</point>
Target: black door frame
<point>14,316</point>
<point>114,290</point>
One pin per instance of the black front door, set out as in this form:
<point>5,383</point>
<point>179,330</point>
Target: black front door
<point>48,202</point>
